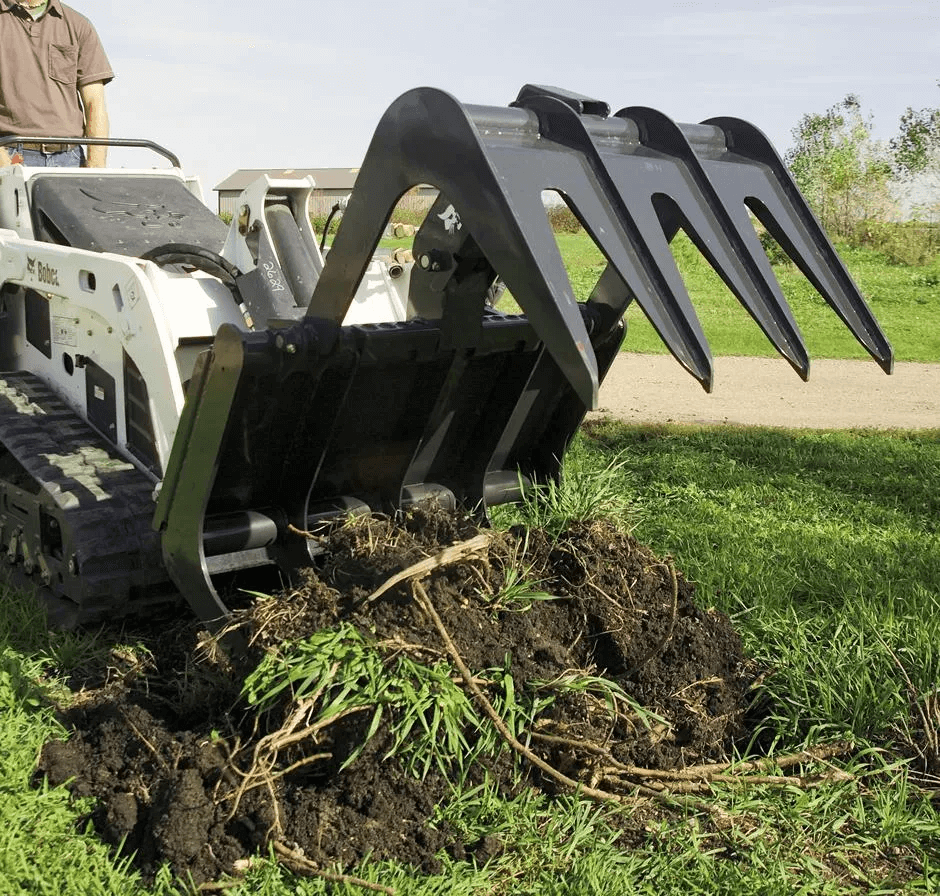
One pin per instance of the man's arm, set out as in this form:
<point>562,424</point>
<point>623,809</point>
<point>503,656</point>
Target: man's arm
<point>96,122</point>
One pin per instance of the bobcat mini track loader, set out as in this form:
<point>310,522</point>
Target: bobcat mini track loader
<point>181,399</point>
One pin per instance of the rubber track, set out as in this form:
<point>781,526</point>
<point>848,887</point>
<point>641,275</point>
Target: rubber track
<point>110,561</point>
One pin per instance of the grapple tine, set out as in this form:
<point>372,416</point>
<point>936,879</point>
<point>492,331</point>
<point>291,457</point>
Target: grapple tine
<point>629,234</point>
<point>700,211</point>
<point>749,174</point>
<point>426,136</point>
<point>632,180</point>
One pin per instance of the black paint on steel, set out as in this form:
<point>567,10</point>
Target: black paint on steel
<point>750,173</point>
<point>495,182</point>
<point>313,415</point>
<point>100,399</point>
<point>191,474</point>
<point>138,420</point>
<point>38,322</point>
<point>243,530</point>
<point>310,417</point>
<point>579,103</point>
<point>680,192</point>
<point>299,265</point>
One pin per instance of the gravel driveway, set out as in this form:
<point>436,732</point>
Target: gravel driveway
<point>768,392</point>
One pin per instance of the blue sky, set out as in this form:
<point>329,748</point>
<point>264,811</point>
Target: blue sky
<point>286,83</point>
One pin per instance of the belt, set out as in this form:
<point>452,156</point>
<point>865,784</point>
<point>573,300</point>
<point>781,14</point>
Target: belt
<point>49,148</point>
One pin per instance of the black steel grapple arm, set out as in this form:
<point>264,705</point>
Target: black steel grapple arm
<point>462,403</point>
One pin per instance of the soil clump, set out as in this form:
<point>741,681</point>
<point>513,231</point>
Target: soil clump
<point>592,644</point>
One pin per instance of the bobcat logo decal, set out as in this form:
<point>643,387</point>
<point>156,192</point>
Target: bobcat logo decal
<point>451,219</point>
<point>44,273</point>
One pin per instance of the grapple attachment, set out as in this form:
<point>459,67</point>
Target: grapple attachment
<point>311,418</point>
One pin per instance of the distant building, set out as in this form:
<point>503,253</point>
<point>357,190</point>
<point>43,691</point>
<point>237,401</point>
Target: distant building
<point>331,184</point>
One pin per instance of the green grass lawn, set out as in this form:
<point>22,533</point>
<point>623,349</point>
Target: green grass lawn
<point>825,550</point>
<point>905,300</point>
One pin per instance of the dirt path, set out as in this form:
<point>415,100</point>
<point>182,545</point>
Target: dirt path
<point>767,392</point>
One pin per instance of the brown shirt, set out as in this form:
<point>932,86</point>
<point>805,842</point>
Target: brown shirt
<point>42,66</point>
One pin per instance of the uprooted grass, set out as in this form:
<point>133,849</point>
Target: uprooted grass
<point>405,663</point>
<point>417,675</point>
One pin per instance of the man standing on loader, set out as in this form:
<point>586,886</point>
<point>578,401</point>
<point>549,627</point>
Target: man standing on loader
<point>53,70</point>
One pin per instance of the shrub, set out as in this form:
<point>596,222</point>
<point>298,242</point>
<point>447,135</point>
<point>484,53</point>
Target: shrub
<point>774,251</point>
<point>405,215</point>
<point>910,243</point>
<point>318,222</point>
<point>562,219</point>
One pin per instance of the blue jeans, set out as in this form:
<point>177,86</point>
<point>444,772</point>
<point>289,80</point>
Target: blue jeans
<point>32,158</point>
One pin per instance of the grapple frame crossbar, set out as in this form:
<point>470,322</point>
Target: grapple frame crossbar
<point>309,417</point>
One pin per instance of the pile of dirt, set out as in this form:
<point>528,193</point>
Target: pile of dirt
<point>602,638</point>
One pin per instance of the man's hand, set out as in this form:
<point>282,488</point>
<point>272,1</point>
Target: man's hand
<point>96,122</point>
<point>4,157</point>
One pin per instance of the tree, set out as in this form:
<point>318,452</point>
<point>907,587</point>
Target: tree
<point>916,158</point>
<point>839,167</point>
<point>917,146</point>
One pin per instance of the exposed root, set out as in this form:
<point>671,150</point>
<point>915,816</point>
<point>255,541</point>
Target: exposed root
<point>263,772</point>
<point>927,709</point>
<point>140,736</point>
<point>421,596</point>
<point>452,554</point>
<point>658,648</point>
<point>300,864</point>
<point>821,753</point>
<point>698,779</point>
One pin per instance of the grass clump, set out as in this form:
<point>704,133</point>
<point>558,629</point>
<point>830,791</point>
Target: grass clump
<point>336,673</point>
<point>583,492</point>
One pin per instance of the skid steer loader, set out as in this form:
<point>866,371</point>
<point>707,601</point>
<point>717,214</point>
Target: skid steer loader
<point>183,400</point>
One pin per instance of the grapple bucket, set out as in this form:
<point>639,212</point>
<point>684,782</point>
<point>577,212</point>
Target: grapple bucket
<point>310,418</point>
